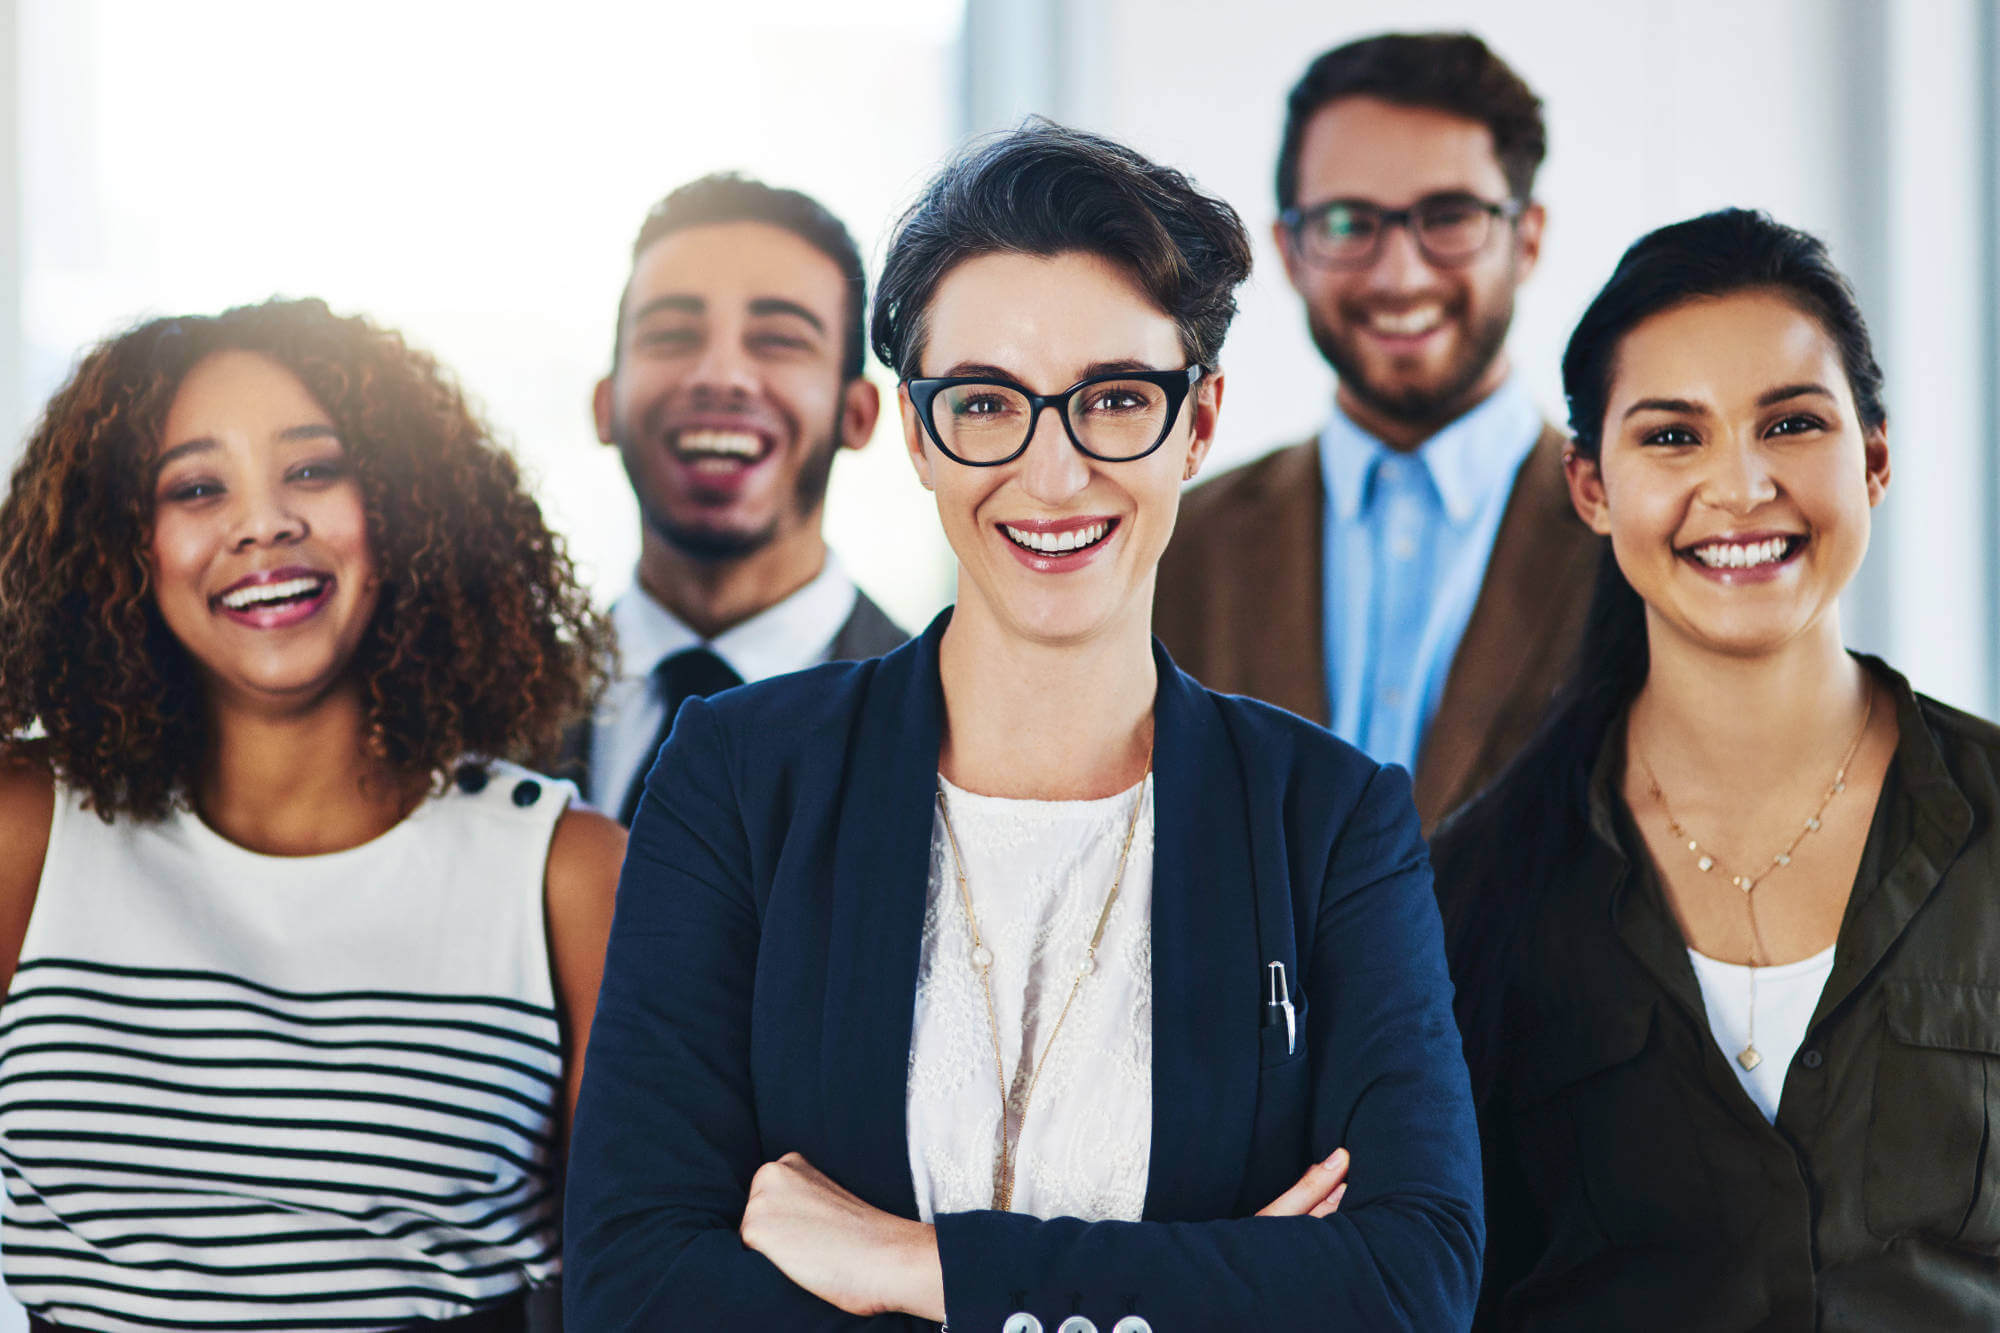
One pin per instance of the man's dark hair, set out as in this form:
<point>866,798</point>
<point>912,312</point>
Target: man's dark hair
<point>728,196</point>
<point>1441,71</point>
<point>1044,189</point>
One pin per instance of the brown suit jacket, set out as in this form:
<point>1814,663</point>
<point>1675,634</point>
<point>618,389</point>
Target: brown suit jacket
<point>1240,607</point>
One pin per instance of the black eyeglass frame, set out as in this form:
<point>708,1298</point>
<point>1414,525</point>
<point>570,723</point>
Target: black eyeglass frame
<point>1174,383</point>
<point>1295,220</point>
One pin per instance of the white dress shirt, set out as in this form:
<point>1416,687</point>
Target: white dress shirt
<point>786,636</point>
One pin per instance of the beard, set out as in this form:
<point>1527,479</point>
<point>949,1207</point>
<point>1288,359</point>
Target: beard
<point>1425,406</point>
<point>714,545</point>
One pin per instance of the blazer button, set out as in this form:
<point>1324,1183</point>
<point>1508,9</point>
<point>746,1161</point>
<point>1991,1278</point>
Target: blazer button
<point>1132,1323</point>
<point>1076,1323</point>
<point>1021,1322</point>
<point>1811,1059</point>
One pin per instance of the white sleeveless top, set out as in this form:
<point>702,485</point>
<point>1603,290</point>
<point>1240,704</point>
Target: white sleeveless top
<point>1038,872</point>
<point>312,1093</point>
<point>1787,994</point>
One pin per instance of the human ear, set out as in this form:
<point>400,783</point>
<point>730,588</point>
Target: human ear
<point>860,405</point>
<point>913,438</point>
<point>1875,453</point>
<point>1281,236</point>
<point>1586,491</point>
<point>1528,240</point>
<point>1204,410</point>
<point>600,407</point>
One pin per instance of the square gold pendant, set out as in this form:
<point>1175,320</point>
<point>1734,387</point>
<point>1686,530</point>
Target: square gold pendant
<point>1748,1058</point>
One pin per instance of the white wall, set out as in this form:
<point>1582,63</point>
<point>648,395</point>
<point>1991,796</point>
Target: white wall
<point>472,174</point>
<point>1858,120</point>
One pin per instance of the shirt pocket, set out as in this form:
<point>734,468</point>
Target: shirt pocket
<point>1930,1168</point>
<point>1273,1048</point>
<point>1604,1136</point>
<point>1280,1130</point>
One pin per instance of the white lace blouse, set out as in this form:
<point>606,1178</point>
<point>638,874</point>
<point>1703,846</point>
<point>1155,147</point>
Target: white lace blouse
<point>1038,872</point>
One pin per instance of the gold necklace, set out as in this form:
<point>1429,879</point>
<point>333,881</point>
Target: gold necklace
<point>982,962</point>
<point>1749,1057</point>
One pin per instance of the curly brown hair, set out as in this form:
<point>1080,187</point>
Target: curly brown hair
<point>482,646</point>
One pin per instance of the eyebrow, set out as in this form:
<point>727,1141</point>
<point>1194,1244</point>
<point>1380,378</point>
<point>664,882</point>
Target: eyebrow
<point>778,305</point>
<point>1793,391</point>
<point>981,370</point>
<point>684,303</point>
<point>1686,407</point>
<point>201,444</point>
<point>678,303</point>
<point>1768,398</point>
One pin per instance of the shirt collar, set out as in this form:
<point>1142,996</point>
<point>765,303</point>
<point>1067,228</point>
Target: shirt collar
<point>1470,461</point>
<point>786,636</point>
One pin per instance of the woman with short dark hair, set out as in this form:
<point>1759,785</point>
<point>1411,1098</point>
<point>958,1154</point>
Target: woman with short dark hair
<point>1014,976</point>
<point>301,960</point>
<point>1726,933</point>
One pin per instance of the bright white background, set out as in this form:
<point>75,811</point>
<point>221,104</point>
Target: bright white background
<point>1868,122</point>
<point>473,173</point>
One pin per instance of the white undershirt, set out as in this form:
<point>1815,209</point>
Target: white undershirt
<point>1038,873</point>
<point>1786,997</point>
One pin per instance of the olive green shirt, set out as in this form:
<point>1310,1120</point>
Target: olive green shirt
<point>1633,1184</point>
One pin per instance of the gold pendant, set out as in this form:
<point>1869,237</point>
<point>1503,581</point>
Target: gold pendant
<point>1748,1058</point>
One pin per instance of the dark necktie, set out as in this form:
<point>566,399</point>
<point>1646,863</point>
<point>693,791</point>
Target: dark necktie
<point>688,674</point>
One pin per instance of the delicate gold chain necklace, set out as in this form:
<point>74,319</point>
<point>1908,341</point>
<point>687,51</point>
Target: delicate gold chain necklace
<point>982,962</point>
<point>1705,861</point>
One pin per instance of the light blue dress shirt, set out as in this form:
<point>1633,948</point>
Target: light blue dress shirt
<point>1407,539</point>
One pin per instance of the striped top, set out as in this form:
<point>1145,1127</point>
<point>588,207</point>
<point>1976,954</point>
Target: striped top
<point>251,1092</point>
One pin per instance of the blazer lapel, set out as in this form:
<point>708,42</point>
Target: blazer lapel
<point>1518,643</point>
<point>1205,964</point>
<point>867,632</point>
<point>880,872</point>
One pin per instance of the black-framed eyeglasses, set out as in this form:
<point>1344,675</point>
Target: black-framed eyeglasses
<point>1450,228</point>
<point>1113,418</point>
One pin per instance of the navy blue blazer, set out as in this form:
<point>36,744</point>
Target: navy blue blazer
<point>759,990</point>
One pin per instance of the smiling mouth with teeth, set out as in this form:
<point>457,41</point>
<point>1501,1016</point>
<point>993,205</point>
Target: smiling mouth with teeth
<point>1746,555</point>
<point>717,448</point>
<point>1058,543</point>
<point>1406,323</point>
<point>264,596</point>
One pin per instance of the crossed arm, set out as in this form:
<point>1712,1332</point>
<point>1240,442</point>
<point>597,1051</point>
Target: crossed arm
<point>865,1261</point>
<point>677,1217</point>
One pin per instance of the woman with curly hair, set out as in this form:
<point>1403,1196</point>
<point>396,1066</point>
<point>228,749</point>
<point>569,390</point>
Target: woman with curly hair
<point>302,964</point>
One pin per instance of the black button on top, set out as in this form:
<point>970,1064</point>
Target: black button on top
<point>526,792</point>
<point>472,779</point>
<point>1812,1059</point>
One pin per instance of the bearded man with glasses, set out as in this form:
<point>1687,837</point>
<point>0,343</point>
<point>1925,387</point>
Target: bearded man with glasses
<point>1413,577</point>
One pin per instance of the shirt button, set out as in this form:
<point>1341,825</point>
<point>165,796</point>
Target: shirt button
<point>1812,1059</point>
<point>1403,547</point>
<point>1076,1323</point>
<point>1393,697</point>
<point>1132,1323</point>
<point>1021,1322</point>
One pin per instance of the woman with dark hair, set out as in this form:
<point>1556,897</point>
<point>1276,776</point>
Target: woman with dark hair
<point>1007,976</point>
<point>1726,935</point>
<point>301,961</point>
